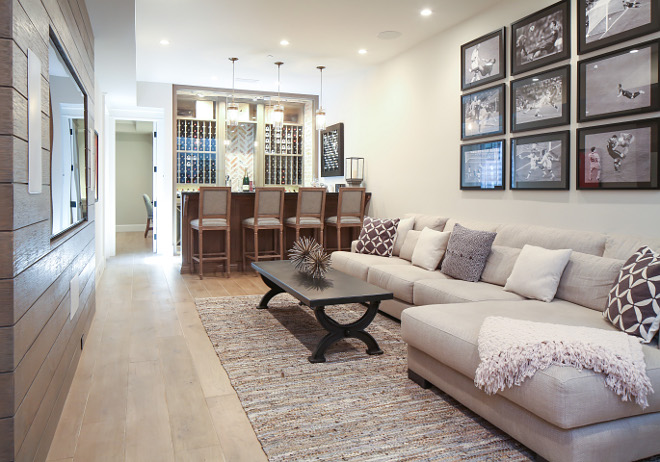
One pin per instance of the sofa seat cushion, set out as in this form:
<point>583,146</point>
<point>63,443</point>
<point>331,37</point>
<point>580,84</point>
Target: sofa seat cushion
<point>400,279</point>
<point>433,291</point>
<point>358,264</point>
<point>563,396</point>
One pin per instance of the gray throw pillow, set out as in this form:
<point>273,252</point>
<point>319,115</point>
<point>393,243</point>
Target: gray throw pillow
<point>467,252</point>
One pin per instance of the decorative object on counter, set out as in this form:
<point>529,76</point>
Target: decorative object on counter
<point>246,182</point>
<point>278,111</point>
<point>320,113</point>
<point>332,150</point>
<point>483,60</point>
<point>354,171</point>
<point>232,108</point>
<point>309,257</point>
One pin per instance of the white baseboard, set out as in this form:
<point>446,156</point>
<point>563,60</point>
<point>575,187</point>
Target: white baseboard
<point>130,228</point>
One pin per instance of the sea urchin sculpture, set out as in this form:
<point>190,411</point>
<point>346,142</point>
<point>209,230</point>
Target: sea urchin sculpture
<point>308,257</point>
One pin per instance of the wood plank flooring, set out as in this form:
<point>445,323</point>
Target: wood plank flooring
<point>149,386</point>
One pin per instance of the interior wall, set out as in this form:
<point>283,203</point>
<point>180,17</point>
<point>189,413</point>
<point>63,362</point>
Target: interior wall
<point>404,117</point>
<point>134,178</point>
<point>40,338</point>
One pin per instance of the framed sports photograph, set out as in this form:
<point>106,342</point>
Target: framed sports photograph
<point>621,82</point>
<point>483,60</point>
<point>541,38</point>
<point>482,113</point>
<point>607,22</point>
<point>618,156</point>
<point>482,165</point>
<point>540,161</point>
<point>541,100</point>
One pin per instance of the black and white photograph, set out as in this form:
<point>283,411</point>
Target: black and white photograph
<point>541,38</point>
<point>619,83</point>
<point>541,100</point>
<point>540,161</point>
<point>483,60</point>
<point>607,22</point>
<point>482,113</point>
<point>482,165</point>
<point>619,156</point>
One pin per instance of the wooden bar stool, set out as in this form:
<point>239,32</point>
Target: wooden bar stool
<point>214,215</point>
<point>350,212</point>
<point>310,212</point>
<point>268,215</point>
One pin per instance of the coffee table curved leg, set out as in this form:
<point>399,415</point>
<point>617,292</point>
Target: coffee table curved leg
<point>338,331</point>
<point>274,290</point>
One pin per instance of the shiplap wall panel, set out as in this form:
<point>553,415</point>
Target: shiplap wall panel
<point>35,270</point>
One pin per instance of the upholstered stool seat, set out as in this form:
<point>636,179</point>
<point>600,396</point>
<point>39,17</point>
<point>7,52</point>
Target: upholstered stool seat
<point>214,215</point>
<point>309,212</point>
<point>350,213</point>
<point>268,215</point>
<point>304,221</point>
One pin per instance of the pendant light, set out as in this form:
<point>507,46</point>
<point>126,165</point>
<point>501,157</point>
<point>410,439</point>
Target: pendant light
<point>320,113</point>
<point>278,111</point>
<point>232,108</point>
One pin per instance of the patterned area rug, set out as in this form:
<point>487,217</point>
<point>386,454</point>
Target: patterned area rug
<point>353,407</point>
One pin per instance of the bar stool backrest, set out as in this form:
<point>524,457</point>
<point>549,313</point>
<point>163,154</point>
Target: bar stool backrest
<point>214,202</point>
<point>350,203</point>
<point>269,203</point>
<point>311,203</point>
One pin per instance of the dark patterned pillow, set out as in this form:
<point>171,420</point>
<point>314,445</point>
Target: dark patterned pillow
<point>377,236</point>
<point>633,304</point>
<point>467,252</point>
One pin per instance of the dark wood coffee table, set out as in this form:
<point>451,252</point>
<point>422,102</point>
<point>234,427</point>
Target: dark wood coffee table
<point>335,289</point>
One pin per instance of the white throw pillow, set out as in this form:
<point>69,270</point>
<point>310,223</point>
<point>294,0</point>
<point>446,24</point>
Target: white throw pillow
<point>430,249</point>
<point>537,272</point>
<point>405,225</point>
<point>409,244</point>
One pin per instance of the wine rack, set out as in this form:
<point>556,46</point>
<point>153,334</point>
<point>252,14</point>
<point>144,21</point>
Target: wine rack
<point>196,152</point>
<point>283,163</point>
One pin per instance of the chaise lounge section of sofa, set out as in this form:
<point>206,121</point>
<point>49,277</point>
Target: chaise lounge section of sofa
<point>561,413</point>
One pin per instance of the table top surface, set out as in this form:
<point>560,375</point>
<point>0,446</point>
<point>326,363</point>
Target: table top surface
<point>336,288</point>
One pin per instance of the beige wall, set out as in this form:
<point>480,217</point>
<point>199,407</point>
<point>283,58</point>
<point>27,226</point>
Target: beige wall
<point>134,177</point>
<point>404,118</point>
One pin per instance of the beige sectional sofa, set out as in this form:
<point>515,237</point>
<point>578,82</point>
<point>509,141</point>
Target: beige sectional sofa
<point>561,413</point>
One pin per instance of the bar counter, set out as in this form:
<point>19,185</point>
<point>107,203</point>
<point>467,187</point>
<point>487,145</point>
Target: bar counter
<point>242,207</point>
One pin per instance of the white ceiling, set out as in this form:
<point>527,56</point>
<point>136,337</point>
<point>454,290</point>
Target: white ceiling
<point>203,34</point>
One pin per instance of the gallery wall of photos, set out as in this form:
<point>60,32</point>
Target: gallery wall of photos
<point>620,82</point>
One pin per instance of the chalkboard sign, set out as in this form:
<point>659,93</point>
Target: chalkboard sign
<point>332,150</point>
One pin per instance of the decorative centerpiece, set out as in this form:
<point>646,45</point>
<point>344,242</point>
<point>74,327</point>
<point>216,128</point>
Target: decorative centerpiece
<point>309,257</point>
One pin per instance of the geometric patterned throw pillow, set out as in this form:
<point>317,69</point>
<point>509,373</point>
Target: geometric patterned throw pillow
<point>377,236</point>
<point>633,304</point>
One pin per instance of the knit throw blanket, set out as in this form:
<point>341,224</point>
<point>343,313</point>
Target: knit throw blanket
<point>512,350</point>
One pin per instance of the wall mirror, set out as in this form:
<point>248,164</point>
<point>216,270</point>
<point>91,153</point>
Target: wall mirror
<point>68,142</point>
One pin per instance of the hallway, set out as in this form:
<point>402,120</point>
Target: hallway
<point>149,386</point>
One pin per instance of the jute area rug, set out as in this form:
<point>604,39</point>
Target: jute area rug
<point>353,407</point>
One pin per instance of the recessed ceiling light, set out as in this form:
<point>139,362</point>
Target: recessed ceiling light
<point>535,79</point>
<point>214,77</point>
<point>634,51</point>
<point>284,42</point>
<point>426,12</point>
<point>362,51</point>
<point>164,42</point>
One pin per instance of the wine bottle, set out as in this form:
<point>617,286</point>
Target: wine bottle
<point>246,182</point>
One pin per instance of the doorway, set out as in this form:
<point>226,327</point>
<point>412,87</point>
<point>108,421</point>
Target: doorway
<point>134,181</point>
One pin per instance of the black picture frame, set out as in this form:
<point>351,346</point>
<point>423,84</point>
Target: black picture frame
<point>621,82</point>
<point>483,113</point>
<point>632,145</point>
<point>541,38</point>
<point>483,60</point>
<point>600,24</point>
<point>541,100</point>
<point>540,162</point>
<point>482,165</point>
<point>332,150</point>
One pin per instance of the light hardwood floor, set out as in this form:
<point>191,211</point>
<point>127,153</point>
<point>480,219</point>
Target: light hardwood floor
<point>149,386</point>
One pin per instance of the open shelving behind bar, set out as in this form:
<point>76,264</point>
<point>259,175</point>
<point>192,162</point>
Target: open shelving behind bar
<point>284,152</point>
<point>197,152</point>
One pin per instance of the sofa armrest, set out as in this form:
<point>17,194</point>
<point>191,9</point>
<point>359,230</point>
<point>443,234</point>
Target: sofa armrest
<point>354,246</point>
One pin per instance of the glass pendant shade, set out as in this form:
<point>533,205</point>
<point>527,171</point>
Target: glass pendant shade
<point>232,114</point>
<point>278,116</point>
<point>320,119</point>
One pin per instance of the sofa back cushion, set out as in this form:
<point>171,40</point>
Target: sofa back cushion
<point>475,225</point>
<point>621,246</point>
<point>517,235</point>
<point>587,280</point>
<point>409,244</point>
<point>499,264</point>
<point>422,221</point>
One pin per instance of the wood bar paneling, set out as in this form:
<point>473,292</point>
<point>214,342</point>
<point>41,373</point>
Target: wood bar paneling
<point>242,206</point>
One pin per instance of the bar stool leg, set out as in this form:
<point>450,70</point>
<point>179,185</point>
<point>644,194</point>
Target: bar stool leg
<point>338,237</point>
<point>191,246</point>
<point>321,235</point>
<point>201,254</point>
<point>282,242</point>
<point>256,245</point>
<point>227,252</point>
<point>243,247</point>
